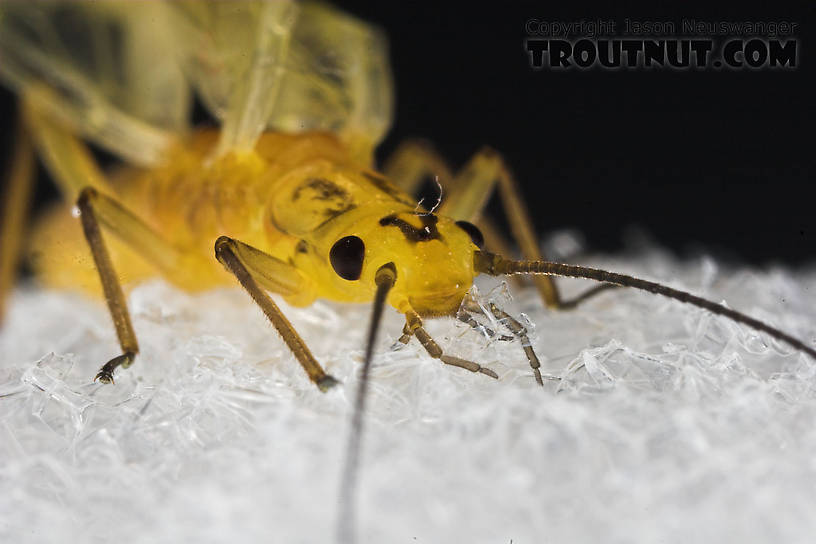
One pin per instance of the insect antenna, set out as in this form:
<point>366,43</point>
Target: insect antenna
<point>385,278</point>
<point>496,265</point>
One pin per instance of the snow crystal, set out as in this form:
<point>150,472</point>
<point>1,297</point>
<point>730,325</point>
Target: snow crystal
<point>667,424</point>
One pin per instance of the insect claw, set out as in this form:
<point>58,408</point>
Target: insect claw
<point>467,365</point>
<point>488,372</point>
<point>327,382</point>
<point>104,376</point>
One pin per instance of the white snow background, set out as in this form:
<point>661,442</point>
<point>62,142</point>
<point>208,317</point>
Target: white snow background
<point>669,424</point>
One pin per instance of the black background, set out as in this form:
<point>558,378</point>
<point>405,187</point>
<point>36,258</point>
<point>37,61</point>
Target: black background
<point>714,160</point>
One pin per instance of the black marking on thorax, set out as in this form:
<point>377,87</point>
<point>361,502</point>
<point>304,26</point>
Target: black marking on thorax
<point>321,189</point>
<point>335,199</point>
<point>387,187</point>
<point>412,233</point>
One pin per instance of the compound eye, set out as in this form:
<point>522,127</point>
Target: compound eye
<point>474,233</point>
<point>346,257</point>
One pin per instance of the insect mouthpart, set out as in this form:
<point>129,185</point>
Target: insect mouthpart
<point>438,304</point>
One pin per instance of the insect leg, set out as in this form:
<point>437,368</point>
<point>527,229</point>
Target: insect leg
<point>463,316</point>
<point>414,325</point>
<point>518,330</point>
<point>110,285</point>
<point>80,180</point>
<point>407,333</point>
<point>76,173</point>
<point>485,169</point>
<point>68,160</point>
<point>97,210</point>
<point>521,333</point>
<point>412,162</point>
<point>254,269</point>
<point>15,207</point>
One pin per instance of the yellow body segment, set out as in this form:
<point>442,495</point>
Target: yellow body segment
<point>292,197</point>
<point>281,198</point>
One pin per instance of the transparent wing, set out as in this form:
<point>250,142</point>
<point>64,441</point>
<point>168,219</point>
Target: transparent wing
<point>234,54</point>
<point>119,72</point>
<point>102,68</point>
<point>286,66</point>
<point>338,79</point>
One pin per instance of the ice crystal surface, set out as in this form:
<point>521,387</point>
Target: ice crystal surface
<point>666,423</point>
